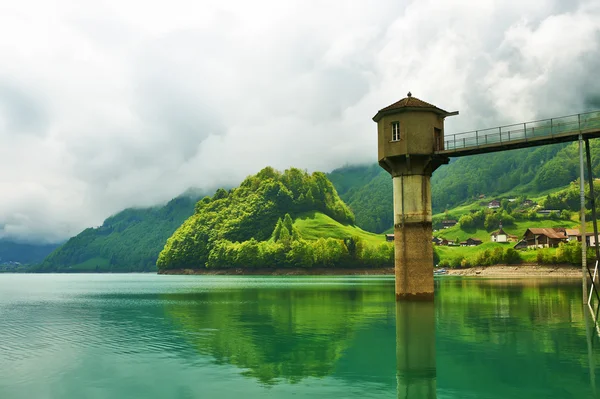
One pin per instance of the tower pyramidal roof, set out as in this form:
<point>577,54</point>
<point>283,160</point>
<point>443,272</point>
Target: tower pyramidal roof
<point>410,103</point>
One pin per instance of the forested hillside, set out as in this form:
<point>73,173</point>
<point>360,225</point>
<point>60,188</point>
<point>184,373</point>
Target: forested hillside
<point>24,253</point>
<point>368,189</point>
<point>128,241</point>
<point>253,226</point>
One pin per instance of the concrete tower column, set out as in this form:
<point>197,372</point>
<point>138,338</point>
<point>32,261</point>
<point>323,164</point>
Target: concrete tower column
<point>410,136</point>
<point>412,236</point>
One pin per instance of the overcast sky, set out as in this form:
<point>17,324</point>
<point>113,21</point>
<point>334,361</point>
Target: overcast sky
<point>110,104</point>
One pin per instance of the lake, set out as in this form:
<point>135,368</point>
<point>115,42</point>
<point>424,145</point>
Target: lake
<point>150,336</point>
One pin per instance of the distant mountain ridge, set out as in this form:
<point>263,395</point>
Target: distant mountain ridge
<point>132,239</point>
<point>128,241</point>
<point>13,253</point>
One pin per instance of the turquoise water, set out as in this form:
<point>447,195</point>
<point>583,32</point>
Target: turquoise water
<point>148,336</point>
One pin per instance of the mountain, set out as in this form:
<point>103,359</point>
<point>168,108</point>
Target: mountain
<point>253,226</point>
<point>126,242</point>
<point>14,254</point>
<point>530,171</point>
<point>368,192</point>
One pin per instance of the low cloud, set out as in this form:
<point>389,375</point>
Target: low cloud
<point>120,104</point>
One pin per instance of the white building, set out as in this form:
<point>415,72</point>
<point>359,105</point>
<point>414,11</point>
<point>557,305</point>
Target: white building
<point>499,236</point>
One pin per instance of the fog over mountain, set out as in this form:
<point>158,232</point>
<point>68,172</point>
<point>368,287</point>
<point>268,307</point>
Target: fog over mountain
<point>114,104</point>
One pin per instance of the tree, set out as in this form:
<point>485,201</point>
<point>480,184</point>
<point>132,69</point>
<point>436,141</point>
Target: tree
<point>277,231</point>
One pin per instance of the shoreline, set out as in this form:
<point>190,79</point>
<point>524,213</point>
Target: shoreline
<point>497,271</point>
<point>295,271</point>
<point>520,271</point>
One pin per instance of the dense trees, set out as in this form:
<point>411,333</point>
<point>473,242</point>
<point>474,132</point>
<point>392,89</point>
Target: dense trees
<point>569,253</point>
<point>286,249</point>
<point>252,225</point>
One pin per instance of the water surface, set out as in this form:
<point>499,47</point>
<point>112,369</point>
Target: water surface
<point>140,335</point>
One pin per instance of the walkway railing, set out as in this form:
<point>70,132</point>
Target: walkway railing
<point>523,131</point>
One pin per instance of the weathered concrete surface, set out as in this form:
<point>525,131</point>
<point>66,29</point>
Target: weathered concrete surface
<point>415,350</point>
<point>412,237</point>
<point>414,261</point>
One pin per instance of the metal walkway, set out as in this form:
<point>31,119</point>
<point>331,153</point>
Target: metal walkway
<point>522,135</point>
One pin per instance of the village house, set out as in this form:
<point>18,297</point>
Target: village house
<point>471,242</point>
<point>544,237</point>
<point>499,235</point>
<point>547,212</point>
<point>449,223</point>
<point>513,238</point>
<point>521,245</point>
<point>389,237</point>
<point>494,204</point>
<point>436,240</point>
<point>575,235</point>
<point>527,202</point>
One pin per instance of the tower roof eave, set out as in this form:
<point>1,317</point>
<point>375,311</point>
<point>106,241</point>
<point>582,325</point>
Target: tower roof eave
<point>411,104</point>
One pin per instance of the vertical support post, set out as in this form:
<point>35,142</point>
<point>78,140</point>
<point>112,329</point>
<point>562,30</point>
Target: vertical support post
<point>593,198</point>
<point>584,270</point>
<point>413,252</point>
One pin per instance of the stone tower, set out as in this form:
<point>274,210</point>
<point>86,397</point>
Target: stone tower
<point>410,132</point>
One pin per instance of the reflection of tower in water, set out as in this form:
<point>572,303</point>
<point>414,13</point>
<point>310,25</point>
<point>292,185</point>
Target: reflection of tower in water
<point>415,350</point>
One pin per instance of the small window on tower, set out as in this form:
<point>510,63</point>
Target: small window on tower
<point>395,131</point>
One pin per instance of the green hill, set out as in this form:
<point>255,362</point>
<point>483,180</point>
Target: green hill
<point>315,225</point>
<point>127,241</point>
<point>528,172</point>
<point>252,226</point>
<point>475,220</point>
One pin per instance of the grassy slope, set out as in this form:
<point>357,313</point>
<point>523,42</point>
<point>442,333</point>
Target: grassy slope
<point>518,229</point>
<point>314,225</point>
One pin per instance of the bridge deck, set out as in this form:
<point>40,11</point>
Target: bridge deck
<point>522,135</point>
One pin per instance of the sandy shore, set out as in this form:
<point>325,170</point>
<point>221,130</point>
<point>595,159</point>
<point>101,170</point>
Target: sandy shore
<point>526,270</point>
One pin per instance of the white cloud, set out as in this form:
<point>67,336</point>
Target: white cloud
<point>106,105</point>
